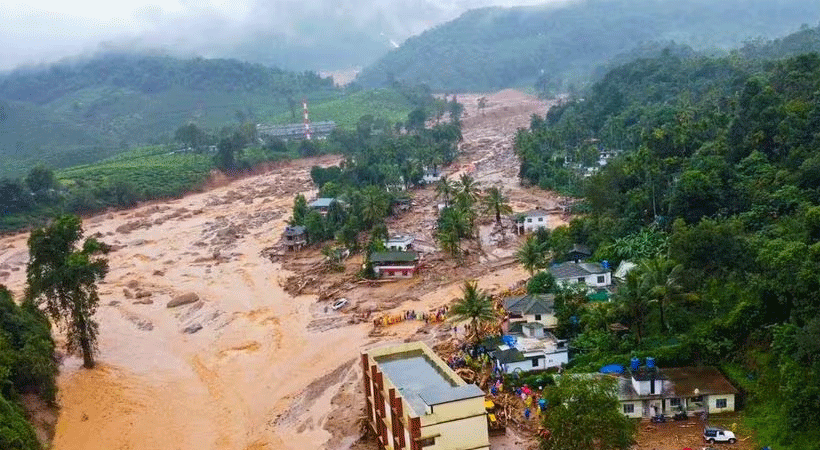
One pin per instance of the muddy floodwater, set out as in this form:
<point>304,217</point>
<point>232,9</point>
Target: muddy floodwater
<point>237,365</point>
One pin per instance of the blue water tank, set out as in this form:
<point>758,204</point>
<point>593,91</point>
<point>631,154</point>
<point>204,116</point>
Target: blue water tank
<point>634,364</point>
<point>605,264</point>
<point>650,362</point>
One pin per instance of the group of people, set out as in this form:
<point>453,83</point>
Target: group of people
<point>435,316</point>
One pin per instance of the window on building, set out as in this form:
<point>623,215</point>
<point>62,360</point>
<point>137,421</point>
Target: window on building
<point>529,219</point>
<point>427,442</point>
<point>538,317</point>
<point>674,402</point>
<point>601,279</point>
<point>404,272</point>
<point>535,362</point>
<point>581,279</point>
<point>629,408</point>
<point>540,219</point>
<point>720,403</point>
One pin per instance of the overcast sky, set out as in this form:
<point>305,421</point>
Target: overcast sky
<point>36,31</point>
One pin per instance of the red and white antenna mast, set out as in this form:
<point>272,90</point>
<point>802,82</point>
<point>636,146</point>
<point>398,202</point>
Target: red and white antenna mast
<point>307,120</point>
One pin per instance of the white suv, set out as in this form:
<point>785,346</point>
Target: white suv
<point>713,434</point>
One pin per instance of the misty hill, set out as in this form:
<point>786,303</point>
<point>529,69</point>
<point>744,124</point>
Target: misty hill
<point>75,113</point>
<point>492,48</point>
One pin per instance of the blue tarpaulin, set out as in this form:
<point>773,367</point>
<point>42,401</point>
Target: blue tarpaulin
<point>612,368</point>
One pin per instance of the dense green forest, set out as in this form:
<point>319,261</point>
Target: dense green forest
<point>27,366</point>
<point>79,113</point>
<point>714,193</point>
<point>557,46</point>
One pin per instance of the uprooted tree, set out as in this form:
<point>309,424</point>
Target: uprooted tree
<point>64,278</point>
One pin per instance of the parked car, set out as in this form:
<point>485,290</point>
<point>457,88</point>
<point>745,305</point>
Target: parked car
<point>338,304</point>
<point>714,434</point>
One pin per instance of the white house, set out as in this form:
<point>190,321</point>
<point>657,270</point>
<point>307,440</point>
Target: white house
<point>533,220</point>
<point>431,175</point>
<point>533,349</point>
<point>532,308</point>
<point>648,391</point>
<point>594,275</point>
<point>399,243</point>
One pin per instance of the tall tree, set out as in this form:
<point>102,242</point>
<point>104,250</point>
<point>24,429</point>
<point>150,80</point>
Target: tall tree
<point>496,203</point>
<point>531,255</point>
<point>374,206</point>
<point>466,191</point>
<point>661,279</point>
<point>474,305</point>
<point>632,302</point>
<point>445,189</point>
<point>453,225</point>
<point>65,278</point>
<point>584,412</point>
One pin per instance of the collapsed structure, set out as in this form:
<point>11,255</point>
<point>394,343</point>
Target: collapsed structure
<point>413,400</point>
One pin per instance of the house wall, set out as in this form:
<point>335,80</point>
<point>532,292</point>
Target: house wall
<point>645,387</point>
<point>398,246</point>
<point>556,359</point>
<point>711,402</point>
<point>534,223</point>
<point>545,361</point>
<point>548,320</point>
<point>592,280</point>
<point>470,432</point>
<point>398,271</point>
<point>637,413</point>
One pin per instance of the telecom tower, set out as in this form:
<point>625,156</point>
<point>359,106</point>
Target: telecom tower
<point>307,120</point>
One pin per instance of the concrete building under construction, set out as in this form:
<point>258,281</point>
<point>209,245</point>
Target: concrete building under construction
<point>415,401</point>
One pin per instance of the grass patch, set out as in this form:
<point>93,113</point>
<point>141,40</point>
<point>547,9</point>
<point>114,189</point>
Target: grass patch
<point>388,104</point>
<point>153,172</point>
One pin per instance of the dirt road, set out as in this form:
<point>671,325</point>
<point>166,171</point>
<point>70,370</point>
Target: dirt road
<point>241,368</point>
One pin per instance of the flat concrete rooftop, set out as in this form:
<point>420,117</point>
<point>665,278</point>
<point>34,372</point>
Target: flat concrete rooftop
<point>421,382</point>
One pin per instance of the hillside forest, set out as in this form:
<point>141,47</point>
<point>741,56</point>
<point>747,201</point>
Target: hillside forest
<point>184,164</point>
<point>712,190</point>
<point>558,47</point>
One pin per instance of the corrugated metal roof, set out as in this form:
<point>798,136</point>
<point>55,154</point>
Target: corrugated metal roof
<point>568,270</point>
<point>394,256</point>
<point>530,304</point>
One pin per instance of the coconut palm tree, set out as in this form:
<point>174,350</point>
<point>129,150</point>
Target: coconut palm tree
<point>453,226</point>
<point>661,279</point>
<point>466,191</point>
<point>531,255</point>
<point>496,203</point>
<point>374,205</point>
<point>444,189</point>
<point>474,305</point>
<point>632,299</point>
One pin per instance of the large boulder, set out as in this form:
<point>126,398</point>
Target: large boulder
<point>183,299</point>
<point>193,328</point>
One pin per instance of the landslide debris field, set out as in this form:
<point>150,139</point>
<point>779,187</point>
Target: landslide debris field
<point>212,338</point>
